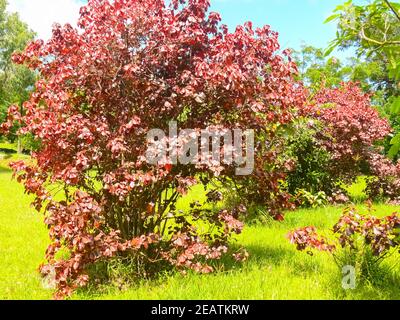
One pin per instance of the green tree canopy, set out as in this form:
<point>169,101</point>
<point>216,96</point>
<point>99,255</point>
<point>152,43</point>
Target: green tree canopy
<point>15,81</point>
<point>318,70</point>
<point>374,31</point>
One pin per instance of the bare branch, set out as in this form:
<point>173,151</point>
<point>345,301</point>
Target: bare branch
<point>380,43</point>
<point>392,9</point>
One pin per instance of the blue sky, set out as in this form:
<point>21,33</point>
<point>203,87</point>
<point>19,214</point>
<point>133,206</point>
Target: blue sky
<point>297,21</point>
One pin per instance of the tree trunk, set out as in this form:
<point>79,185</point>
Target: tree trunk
<point>19,145</point>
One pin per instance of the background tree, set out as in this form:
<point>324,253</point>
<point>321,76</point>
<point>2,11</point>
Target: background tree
<point>337,140</point>
<point>317,70</point>
<point>16,81</point>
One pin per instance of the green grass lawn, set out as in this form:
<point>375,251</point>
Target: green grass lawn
<point>275,269</point>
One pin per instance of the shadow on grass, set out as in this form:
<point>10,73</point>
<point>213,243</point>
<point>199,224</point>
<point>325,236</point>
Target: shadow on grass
<point>7,151</point>
<point>387,287</point>
<point>260,257</point>
<point>274,257</point>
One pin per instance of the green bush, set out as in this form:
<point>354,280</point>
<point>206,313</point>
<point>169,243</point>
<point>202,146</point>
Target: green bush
<point>312,161</point>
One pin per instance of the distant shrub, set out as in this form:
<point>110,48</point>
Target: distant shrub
<point>304,198</point>
<point>29,143</point>
<point>351,129</point>
<point>383,184</point>
<point>310,170</point>
<point>337,140</point>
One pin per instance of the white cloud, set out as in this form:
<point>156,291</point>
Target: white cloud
<point>41,14</point>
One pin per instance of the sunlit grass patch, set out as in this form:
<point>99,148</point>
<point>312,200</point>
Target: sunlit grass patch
<point>275,270</point>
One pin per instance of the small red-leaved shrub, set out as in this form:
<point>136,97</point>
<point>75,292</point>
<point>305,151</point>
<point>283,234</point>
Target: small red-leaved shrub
<point>365,239</point>
<point>133,66</point>
<point>379,234</point>
<point>307,238</point>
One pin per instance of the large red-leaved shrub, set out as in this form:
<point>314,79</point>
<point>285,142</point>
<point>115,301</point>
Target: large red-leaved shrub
<point>132,66</point>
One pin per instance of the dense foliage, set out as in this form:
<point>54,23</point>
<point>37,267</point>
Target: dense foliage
<point>351,127</point>
<point>337,140</point>
<point>131,67</point>
<point>136,65</point>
